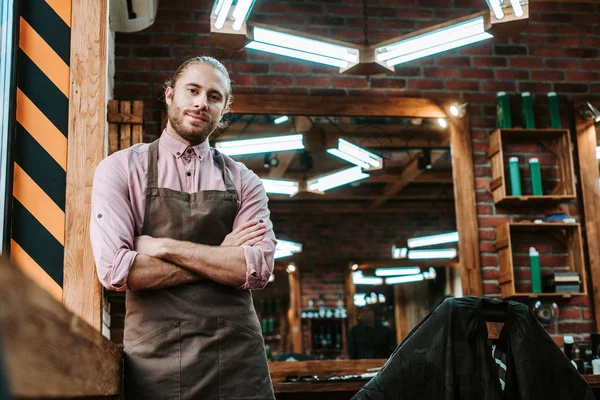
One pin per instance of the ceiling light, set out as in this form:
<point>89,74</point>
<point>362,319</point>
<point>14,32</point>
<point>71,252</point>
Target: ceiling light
<point>431,254</point>
<point>289,246</point>
<point>291,268</point>
<point>397,271</point>
<point>354,267</point>
<point>336,179</point>
<point>222,10</point>
<point>422,241</point>
<point>433,42</point>
<point>496,8</point>
<point>518,9</point>
<point>242,9</point>
<point>424,162</point>
<point>458,109</point>
<point>431,274</point>
<point>404,279</point>
<point>359,299</point>
<point>399,252</point>
<point>296,46</point>
<point>276,186</point>
<point>357,155</point>
<point>359,279</point>
<point>442,122</point>
<point>282,254</point>
<point>590,112</point>
<point>281,120</point>
<point>262,145</point>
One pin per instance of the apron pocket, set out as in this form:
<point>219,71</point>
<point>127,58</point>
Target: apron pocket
<point>243,369</point>
<point>153,364</point>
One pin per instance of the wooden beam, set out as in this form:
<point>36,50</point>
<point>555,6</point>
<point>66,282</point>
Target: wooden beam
<point>294,320</point>
<point>48,351</point>
<point>338,207</point>
<point>285,159</point>
<point>87,130</point>
<point>350,291</point>
<point>281,104</point>
<point>587,140</point>
<point>466,205</point>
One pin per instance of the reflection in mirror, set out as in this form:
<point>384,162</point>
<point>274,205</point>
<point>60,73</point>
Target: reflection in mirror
<point>363,208</point>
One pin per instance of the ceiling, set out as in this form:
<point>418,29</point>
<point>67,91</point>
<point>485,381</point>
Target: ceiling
<point>401,185</point>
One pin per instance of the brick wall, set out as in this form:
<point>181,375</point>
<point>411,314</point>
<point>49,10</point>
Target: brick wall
<point>558,51</point>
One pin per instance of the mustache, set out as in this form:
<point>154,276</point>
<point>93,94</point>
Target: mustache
<point>199,114</point>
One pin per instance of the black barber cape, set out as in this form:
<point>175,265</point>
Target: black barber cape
<point>448,357</point>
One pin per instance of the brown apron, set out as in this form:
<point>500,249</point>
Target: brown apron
<point>200,340</point>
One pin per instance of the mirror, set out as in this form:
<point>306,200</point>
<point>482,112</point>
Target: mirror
<point>340,241</point>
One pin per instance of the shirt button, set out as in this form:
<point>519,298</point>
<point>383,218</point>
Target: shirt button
<point>178,153</point>
<point>188,173</point>
<point>99,215</point>
<point>190,151</point>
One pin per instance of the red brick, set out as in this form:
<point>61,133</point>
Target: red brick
<point>569,313</point>
<point>525,62</point>
<point>489,261</point>
<point>489,62</point>
<point>581,52</point>
<point>491,86</point>
<point>299,8</point>
<point>474,73</point>
<point>489,288</point>
<point>512,74</point>
<point>486,222</point>
<point>287,20</point>
<point>534,87</point>
<point>423,84</point>
<point>484,209</point>
<point>454,61</point>
<point>290,68</point>
<point>576,327</point>
<point>486,246</point>
<point>273,80</point>
<point>590,64</point>
<point>563,41</point>
<point>133,64</point>
<point>561,64</point>
<point>293,91</point>
<point>571,88</point>
<point>243,80</point>
<point>388,83</point>
<point>573,76</point>
<point>430,72</point>
<point>313,81</point>
<point>547,75</point>
<point>255,68</point>
<point>462,85</point>
<point>581,301</point>
<point>546,52</point>
<point>587,314</point>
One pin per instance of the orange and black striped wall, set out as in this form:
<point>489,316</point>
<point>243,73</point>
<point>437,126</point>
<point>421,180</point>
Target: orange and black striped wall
<point>40,141</point>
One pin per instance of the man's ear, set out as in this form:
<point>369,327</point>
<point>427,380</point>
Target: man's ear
<point>169,95</point>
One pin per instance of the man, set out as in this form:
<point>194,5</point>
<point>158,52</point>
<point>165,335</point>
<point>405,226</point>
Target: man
<point>185,231</point>
<point>369,339</point>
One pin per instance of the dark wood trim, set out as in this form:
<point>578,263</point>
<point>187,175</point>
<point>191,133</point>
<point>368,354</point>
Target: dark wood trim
<point>589,176</point>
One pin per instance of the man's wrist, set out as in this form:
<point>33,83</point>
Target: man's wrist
<point>165,249</point>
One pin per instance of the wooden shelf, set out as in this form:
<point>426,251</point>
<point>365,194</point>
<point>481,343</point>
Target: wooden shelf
<point>568,234</point>
<point>556,141</point>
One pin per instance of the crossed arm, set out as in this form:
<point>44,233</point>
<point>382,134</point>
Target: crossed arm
<point>167,262</point>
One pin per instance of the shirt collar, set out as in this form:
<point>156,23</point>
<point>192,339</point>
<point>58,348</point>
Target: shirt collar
<point>178,148</point>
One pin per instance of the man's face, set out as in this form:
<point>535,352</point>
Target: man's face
<point>196,103</point>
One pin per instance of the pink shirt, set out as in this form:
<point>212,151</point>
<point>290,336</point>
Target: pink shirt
<point>118,202</point>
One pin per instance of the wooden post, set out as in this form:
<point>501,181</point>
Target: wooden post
<point>588,169</point>
<point>294,312</point>
<point>350,290</point>
<point>466,205</point>
<point>87,130</point>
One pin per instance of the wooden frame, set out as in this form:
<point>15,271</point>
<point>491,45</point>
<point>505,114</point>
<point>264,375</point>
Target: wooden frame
<point>589,176</point>
<point>557,141</point>
<point>82,292</point>
<point>504,246</point>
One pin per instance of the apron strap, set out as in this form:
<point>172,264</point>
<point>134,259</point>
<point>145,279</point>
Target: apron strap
<point>229,186</point>
<point>153,165</point>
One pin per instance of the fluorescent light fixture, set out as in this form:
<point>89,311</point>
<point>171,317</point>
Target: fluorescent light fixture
<point>518,9</point>
<point>289,246</point>
<point>279,253</point>
<point>262,145</point>
<point>442,122</point>
<point>286,44</point>
<point>336,179</point>
<point>359,279</point>
<point>431,254</point>
<point>223,11</point>
<point>404,279</point>
<point>359,299</point>
<point>240,13</point>
<point>357,155</point>
<point>397,271</point>
<point>281,120</point>
<point>277,186</point>
<point>431,274</point>
<point>399,252</point>
<point>433,42</point>
<point>422,241</point>
<point>496,8</point>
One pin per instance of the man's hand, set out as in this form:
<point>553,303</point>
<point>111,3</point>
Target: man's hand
<point>149,246</point>
<point>246,234</point>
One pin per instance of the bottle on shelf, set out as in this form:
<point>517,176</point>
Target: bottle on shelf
<point>338,338</point>
<point>503,111</point>
<point>536,176</point>
<point>528,118</point>
<point>554,110</point>
<point>515,176</point>
<point>261,306</point>
<point>536,276</point>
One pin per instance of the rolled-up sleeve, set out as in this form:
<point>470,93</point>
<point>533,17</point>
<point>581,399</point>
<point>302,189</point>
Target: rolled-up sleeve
<point>112,223</point>
<point>260,257</point>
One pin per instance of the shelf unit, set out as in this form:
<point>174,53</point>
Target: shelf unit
<point>556,141</point>
<point>324,326</point>
<point>568,234</point>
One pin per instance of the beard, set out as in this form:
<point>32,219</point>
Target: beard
<point>198,132</point>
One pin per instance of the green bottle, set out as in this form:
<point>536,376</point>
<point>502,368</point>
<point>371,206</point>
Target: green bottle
<point>263,324</point>
<point>554,111</point>
<point>515,176</point>
<point>536,274</point>
<point>269,324</point>
<point>503,111</point>
<point>536,176</point>
<point>528,119</point>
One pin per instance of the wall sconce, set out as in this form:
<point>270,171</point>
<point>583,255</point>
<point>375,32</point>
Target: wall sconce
<point>458,109</point>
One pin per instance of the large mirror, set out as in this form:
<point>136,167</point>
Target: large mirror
<point>363,207</point>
